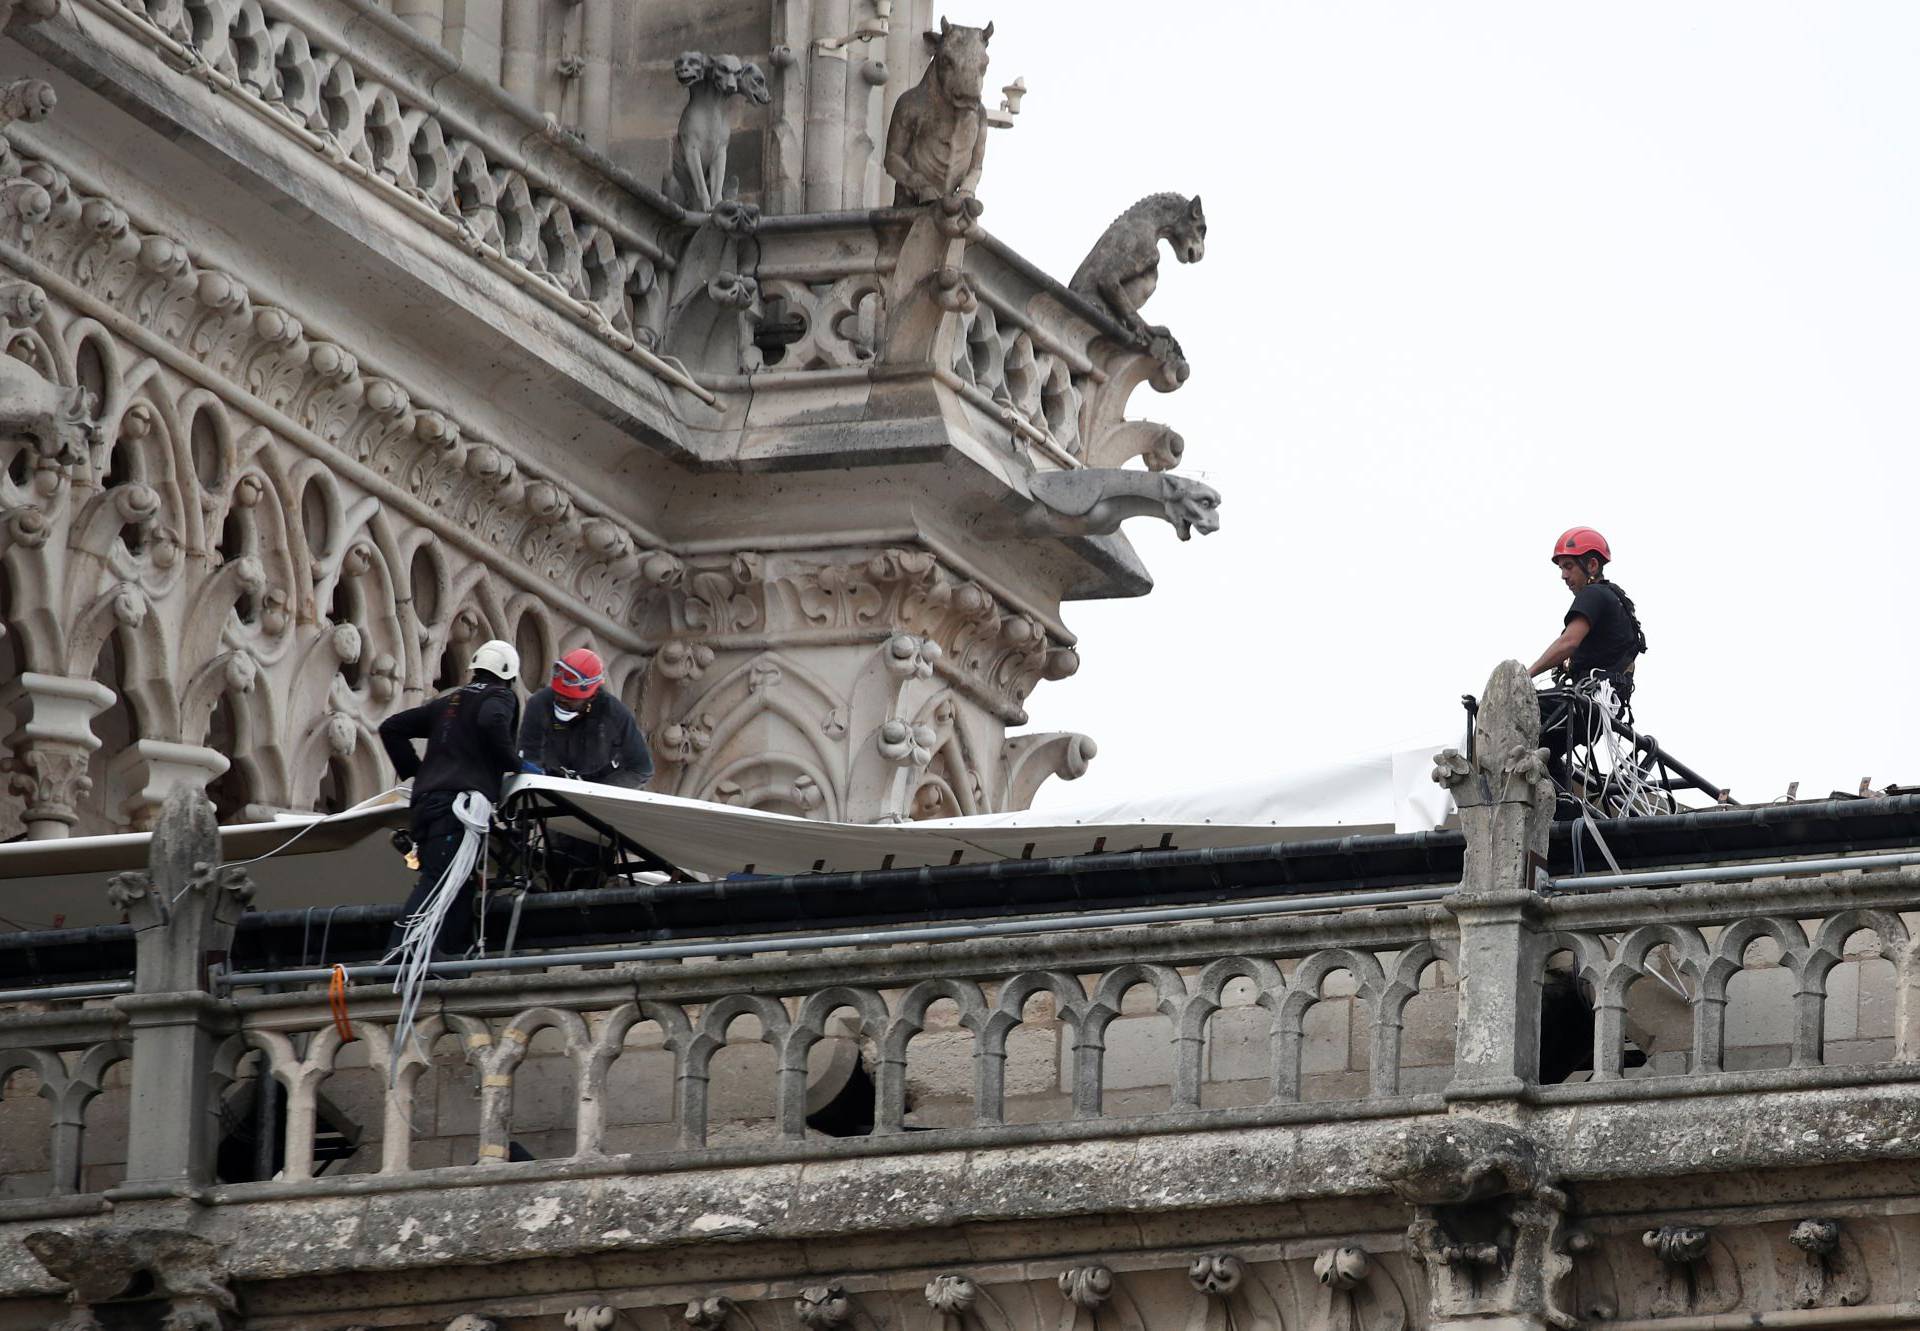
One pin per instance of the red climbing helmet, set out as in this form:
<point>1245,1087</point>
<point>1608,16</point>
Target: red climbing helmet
<point>1578,542</point>
<point>577,675</point>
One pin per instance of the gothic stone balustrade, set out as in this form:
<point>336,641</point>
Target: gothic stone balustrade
<point>1781,984</point>
<point>1181,1069</point>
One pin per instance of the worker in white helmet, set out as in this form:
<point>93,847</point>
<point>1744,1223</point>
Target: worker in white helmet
<point>470,750</point>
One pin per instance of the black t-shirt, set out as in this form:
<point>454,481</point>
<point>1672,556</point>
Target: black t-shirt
<point>1610,634</point>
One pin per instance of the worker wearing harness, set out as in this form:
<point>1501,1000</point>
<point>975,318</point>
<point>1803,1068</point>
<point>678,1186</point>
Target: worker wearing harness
<point>1602,633</point>
<point>469,735</point>
<point>1601,639</point>
<point>574,727</point>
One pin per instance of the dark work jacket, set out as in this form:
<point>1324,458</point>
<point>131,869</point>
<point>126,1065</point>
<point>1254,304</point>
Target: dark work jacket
<point>469,735</point>
<point>603,743</point>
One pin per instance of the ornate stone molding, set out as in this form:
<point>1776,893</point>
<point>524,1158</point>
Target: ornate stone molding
<point>540,530</point>
<point>373,127</point>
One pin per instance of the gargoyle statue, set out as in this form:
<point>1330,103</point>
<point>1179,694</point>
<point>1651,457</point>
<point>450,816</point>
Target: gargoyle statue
<point>1459,1160</point>
<point>1123,267</point>
<point>698,176</point>
<point>58,419</point>
<point>1092,501</point>
<point>109,1265</point>
<point>938,137</point>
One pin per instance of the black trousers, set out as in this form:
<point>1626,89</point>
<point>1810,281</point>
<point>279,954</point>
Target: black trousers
<point>1570,719</point>
<point>436,836</point>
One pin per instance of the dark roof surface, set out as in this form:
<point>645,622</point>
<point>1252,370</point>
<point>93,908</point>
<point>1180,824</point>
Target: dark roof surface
<point>763,905</point>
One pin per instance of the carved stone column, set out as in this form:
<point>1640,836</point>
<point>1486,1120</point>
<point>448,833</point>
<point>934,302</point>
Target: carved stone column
<point>151,769</point>
<point>1506,812</point>
<point>183,910</point>
<point>48,768</point>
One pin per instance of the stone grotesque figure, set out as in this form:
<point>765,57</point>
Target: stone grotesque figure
<point>114,1265</point>
<point>698,176</point>
<point>1487,1216</point>
<point>1123,267</point>
<point>1093,501</point>
<point>938,137</point>
<point>57,418</point>
<point>1459,1161</point>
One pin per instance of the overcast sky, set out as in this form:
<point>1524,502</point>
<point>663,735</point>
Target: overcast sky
<point>1476,273</point>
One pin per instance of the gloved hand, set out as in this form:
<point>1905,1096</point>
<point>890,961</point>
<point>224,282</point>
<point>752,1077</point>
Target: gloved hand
<point>532,768</point>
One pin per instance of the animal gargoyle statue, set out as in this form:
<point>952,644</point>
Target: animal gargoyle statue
<point>1092,501</point>
<point>697,177</point>
<point>58,419</point>
<point>938,138</point>
<point>1123,267</point>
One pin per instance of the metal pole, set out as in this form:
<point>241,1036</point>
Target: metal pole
<point>52,993</point>
<point>1722,873</point>
<point>857,938</point>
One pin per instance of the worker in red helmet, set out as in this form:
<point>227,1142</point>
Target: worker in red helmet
<point>575,727</point>
<point>1601,632</point>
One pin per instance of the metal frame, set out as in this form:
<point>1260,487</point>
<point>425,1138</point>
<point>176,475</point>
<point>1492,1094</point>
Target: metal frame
<point>630,856</point>
<point>1595,784</point>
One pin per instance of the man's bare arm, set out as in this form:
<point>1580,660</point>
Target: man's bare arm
<point>1562,647</point>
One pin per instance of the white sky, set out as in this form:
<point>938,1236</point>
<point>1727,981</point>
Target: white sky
<point>1475,273</point>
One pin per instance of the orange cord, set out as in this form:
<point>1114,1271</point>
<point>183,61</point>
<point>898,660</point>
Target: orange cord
<point>337,1003</point>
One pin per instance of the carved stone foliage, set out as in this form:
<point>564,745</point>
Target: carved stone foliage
<point>241,592</point>
<point>1689,1279</point>
<point>1630,1272</point>
<point>1833,1273</point>
<point>322,390</point>
<point>903,713</point>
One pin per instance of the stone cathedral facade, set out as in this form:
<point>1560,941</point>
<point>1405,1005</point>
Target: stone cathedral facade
<point>340,337</point>
<point>345,337</point>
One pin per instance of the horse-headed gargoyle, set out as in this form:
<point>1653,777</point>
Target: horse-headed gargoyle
<point>938,138</point>
<point>1093,501</point>
<point>1123,267</point>
<point>697,178</point>
<point>58,418</point>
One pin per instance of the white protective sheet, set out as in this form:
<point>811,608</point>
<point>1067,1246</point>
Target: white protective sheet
<point>346,860</point>
<point>1392,792</point>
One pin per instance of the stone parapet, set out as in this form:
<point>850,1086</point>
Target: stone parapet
<point>1370,1117</point>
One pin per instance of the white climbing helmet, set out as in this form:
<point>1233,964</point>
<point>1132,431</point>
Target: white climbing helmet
<point>498,658</point>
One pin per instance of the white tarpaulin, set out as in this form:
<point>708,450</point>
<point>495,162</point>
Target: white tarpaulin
<point>1390,793</point>
<point>346,859</point>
